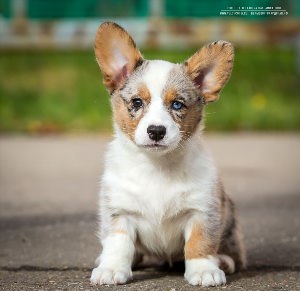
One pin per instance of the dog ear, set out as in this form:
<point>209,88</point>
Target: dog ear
<point>116,54</point>
<point>210,68</point>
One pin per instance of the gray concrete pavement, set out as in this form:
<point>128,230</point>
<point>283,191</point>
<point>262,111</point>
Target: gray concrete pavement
<point>48,212</point>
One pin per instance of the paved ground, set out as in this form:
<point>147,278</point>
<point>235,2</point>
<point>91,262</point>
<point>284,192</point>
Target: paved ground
<point>48,207</point>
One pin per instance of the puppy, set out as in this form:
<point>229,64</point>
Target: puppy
<point>161,195</point>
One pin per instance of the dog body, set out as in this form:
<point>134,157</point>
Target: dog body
<point>161,195</point>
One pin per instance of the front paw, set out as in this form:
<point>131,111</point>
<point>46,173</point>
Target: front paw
<point>106,276</point>
<point>204,272</point>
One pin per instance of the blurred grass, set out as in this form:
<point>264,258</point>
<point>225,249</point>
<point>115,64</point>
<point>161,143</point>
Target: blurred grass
<point>51,91</point>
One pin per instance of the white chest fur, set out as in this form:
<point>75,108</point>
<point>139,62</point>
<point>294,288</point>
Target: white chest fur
<point>157,194</point>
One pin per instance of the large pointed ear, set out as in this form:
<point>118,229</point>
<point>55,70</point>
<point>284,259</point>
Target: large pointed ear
<point>210,68</point>
<point>116,54</point>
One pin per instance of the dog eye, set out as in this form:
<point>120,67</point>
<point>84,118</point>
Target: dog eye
<point>176,105</point>
<point>137,103</point>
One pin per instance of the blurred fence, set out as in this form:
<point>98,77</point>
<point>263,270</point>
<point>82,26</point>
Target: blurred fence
<point>154,23</point>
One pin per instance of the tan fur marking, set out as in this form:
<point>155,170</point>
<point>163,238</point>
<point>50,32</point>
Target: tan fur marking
<point>189,123</point>
<point>170,96</point>
<point>215,59</point>
<point>110,38</point>
<point>126,122</point>
<point>198,246</point>
<point>144,93</point>
<point>190,116</point>
<point>123,118</point>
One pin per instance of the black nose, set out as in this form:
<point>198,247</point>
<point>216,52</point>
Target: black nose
<point>156,132</point>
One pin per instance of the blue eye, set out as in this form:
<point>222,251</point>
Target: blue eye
<point>176,105</point>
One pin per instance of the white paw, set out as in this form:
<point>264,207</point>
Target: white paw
<point>204,272</point>
<point>207,278</point>
<point>104,276</point>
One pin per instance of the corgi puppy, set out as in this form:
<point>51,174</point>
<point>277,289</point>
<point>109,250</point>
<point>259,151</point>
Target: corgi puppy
<point>161,195</point>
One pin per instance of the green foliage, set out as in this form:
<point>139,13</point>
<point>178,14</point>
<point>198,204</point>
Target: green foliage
<point>62,91</point>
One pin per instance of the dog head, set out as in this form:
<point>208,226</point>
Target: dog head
<point>158,104</point>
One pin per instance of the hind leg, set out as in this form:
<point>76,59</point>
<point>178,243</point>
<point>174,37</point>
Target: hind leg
<point>232,246</point>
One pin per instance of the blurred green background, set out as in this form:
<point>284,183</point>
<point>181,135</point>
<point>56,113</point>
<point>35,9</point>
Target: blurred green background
<point>52,90</point>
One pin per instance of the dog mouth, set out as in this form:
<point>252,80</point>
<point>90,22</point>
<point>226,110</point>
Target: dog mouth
<point>155,146</point>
